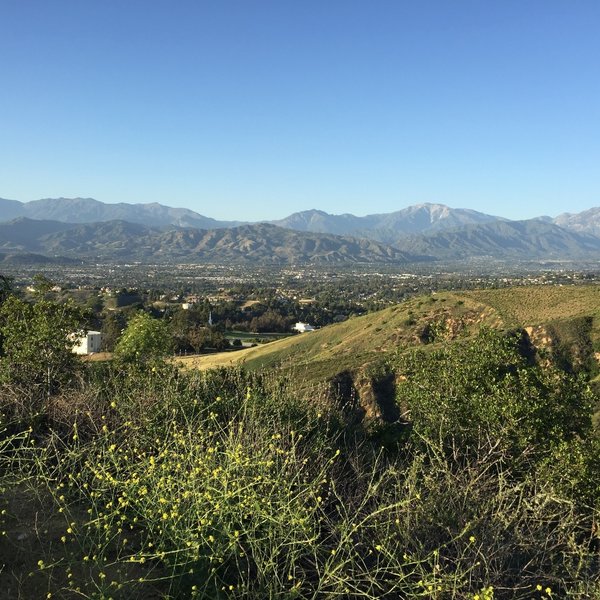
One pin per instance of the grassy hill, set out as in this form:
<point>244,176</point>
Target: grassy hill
<point>549,312</point>
<point>533,305</point>
<point>565,318</point>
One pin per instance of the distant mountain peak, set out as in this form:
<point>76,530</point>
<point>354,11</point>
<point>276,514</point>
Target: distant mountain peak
<point>587,221</point>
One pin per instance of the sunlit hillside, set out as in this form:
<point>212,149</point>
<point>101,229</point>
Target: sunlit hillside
<point>436,318</point>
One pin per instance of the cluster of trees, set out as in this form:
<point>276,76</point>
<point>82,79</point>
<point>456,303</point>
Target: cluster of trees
<point>191,331</point>
<point>37,337</point>
<point>255,309</point>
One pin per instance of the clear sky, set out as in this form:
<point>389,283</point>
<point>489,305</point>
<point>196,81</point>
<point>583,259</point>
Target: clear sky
<point>256,109</point>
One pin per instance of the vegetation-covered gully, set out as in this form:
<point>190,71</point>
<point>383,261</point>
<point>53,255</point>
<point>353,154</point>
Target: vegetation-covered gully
<point>450,468</point>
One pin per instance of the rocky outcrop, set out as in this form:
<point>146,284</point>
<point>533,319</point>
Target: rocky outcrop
<point>567,344</point>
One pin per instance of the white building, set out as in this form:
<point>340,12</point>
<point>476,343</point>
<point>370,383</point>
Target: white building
<point>301,327</point>
<point>191,301</point>
<point>88,343</point>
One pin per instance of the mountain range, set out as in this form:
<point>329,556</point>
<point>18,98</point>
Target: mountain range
<point>386,227</point>
<point>87,228</point>
<point>260,243</point>
<point>88,210</point>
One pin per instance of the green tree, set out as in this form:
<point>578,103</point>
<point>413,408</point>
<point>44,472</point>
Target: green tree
<point>42,284</point>
<point>95,303</point>
<point>145,340</point>
<point>184,322</point>
<point>112,326</point>
<point>37,343</point>
<point>198,337</point>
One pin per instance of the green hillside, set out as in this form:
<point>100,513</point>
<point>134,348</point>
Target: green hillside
<point>533,305</point>
<point>565,318</point>
<point>437,318</point>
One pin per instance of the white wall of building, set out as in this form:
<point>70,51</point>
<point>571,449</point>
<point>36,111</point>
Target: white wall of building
<point>88,343</point>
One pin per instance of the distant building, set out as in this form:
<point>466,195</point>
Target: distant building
<point>301,327</point>
<point>191,301</point>
<point>88,343</point>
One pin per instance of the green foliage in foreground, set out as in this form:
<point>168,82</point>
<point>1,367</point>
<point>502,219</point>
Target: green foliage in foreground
<point>540,419</point>
<point>36,357</point>
<point>144,341</point>
<point>230,485</point>
<point>485,388</point>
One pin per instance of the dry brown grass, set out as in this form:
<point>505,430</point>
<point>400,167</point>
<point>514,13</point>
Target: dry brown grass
<point>96,357</point>
<point>203,362</point>
<point>534,305</point>
<point>249,304</point>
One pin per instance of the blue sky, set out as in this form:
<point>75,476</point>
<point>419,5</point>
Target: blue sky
<point>254,110</point>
